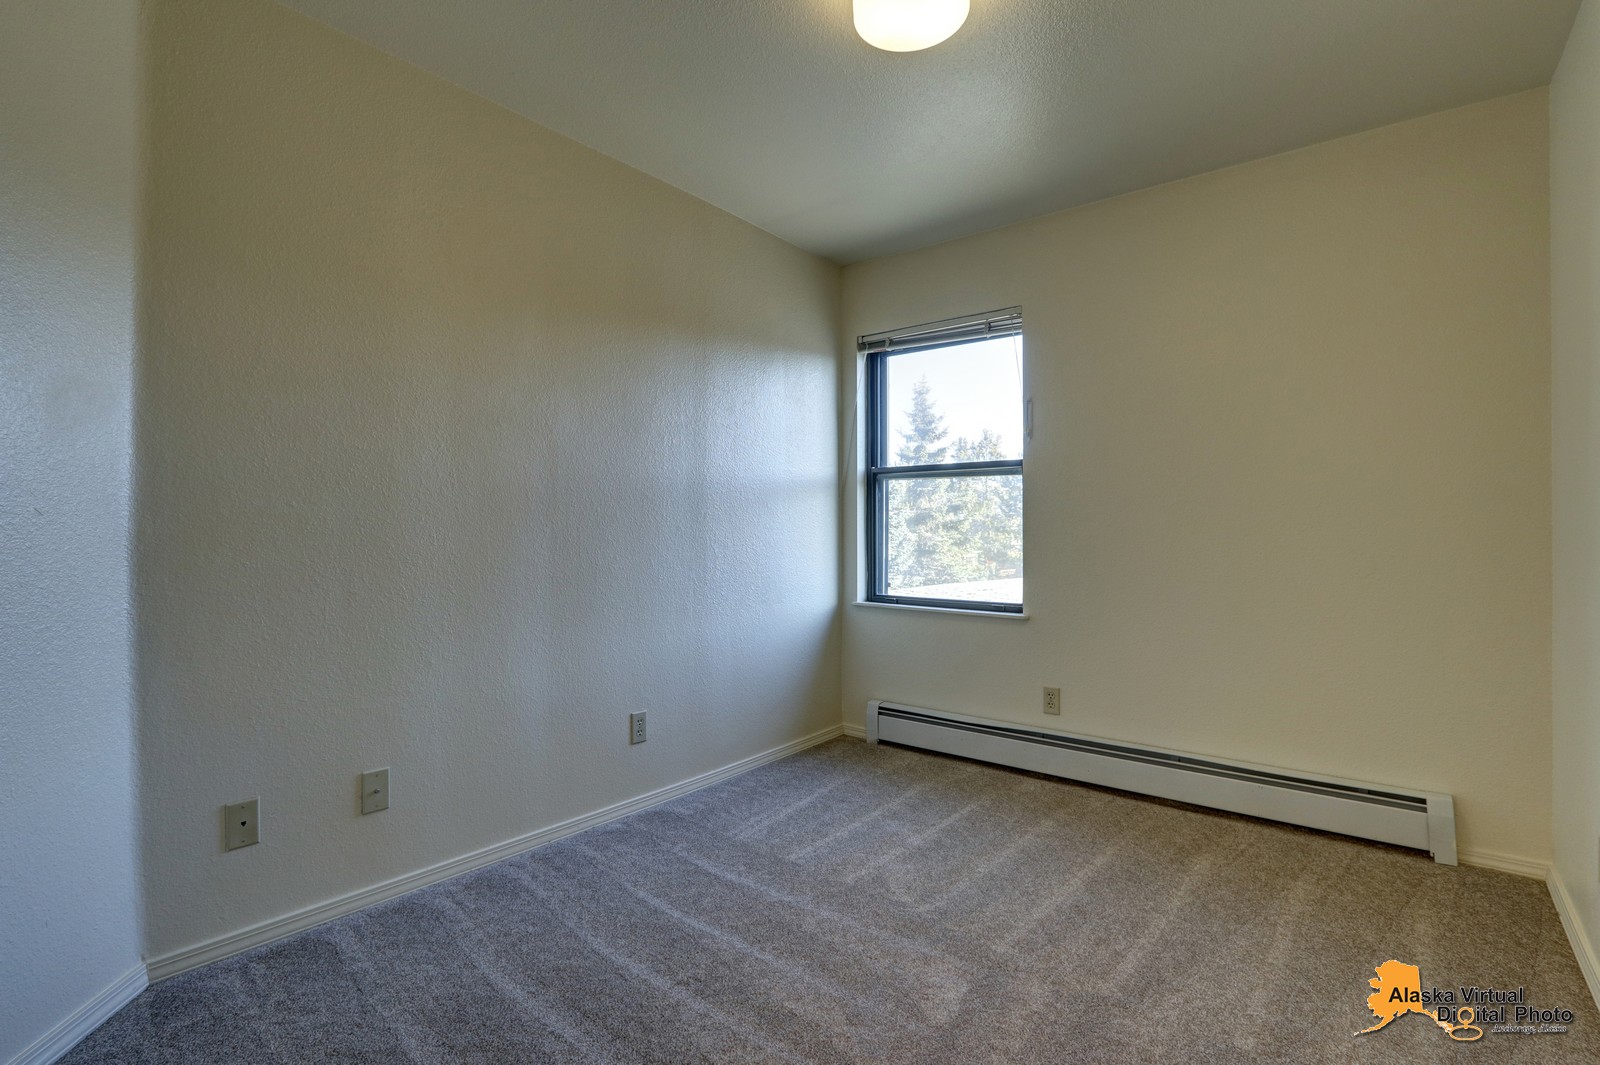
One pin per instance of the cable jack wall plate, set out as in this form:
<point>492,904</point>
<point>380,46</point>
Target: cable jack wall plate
<point>375,791</point>
<point>241,823</point>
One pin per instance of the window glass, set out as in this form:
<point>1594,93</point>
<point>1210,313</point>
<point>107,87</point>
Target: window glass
<point>944,485</point>
<point>954,538</point>
<point>957,404</point>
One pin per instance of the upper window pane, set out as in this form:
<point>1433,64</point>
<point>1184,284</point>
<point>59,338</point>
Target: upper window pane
<point>954,404</point>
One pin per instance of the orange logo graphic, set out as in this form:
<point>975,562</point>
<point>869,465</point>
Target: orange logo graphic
<point>1398,991</point>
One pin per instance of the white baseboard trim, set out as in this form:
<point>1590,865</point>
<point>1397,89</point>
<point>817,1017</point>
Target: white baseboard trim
<point>858,731</point>
<point>1588,959</point>
<point>290,923</point>
<point>85,1019</point>
<point>1505,863</point>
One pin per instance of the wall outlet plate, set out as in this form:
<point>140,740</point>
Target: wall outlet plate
<point>1052,700</point>
<point>636,727</point>
<point>241,824</point>
<point>375,791</point>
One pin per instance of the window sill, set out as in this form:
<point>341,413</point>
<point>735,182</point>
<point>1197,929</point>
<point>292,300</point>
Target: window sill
<point>945,610</point>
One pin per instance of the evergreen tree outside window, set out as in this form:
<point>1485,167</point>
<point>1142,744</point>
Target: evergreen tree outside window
<point>945,439</point>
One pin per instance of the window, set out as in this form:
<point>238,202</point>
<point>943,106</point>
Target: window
<point>944,464</point>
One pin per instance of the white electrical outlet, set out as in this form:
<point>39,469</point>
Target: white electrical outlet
<point>636,727</point>
<point>241,823</point>
<point>1052,700</point>
<point>375,791</point>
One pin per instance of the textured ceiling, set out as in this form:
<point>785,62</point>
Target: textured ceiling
<point>776,112</point>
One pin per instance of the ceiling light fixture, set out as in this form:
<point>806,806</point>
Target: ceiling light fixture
<point>908,25</point>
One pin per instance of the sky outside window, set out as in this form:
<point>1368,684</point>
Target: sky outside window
<point>974,387</point>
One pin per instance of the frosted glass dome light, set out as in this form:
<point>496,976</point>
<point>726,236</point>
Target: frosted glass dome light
<point>909,25</point>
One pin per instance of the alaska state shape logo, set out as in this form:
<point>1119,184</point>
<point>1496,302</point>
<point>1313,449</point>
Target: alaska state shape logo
<point>1399,992</point>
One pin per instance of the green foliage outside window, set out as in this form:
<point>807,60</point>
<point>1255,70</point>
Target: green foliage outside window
<point>948,530</point>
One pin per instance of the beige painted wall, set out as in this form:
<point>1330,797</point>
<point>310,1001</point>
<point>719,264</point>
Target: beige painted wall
<point>458,442</point>
<point>1575,318</point>
<point>69,908</point>
<point>1288,496</point>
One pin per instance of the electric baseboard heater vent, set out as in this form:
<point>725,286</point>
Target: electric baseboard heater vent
<point>1424,820</point>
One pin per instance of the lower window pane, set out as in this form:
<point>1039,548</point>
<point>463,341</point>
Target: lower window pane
<point>954,537</point>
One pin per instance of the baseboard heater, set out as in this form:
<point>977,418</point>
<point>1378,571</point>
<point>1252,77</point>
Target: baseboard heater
<point>1424,820</point>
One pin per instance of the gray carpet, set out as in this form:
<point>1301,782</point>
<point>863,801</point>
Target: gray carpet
<point>871,904</point>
